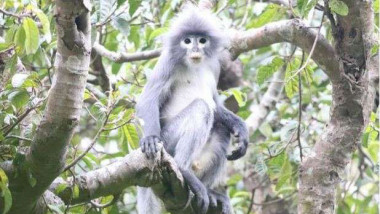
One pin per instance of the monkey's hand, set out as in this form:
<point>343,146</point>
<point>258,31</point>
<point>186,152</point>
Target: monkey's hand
<point>149,146</point>
<point>216,198</point>
<point>240,131</point>
<point>200,192</point>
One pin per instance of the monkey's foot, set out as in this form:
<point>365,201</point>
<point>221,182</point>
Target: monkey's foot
<point>222,199</point>
<point>149,146</point>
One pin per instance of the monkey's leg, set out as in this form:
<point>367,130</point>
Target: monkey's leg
<point>147,202</point>
<point>219,199</point>
<point>185,136</point>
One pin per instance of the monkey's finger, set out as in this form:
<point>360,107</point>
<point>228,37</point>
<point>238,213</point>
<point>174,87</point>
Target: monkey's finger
<point>151,149</point>
<point>142,145</point>
<point>156,141</point>
<point>213,201</point>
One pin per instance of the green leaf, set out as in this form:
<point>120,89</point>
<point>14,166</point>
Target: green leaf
<point>45,23</point>
<point>19,40</point>
<point>31,179</point>
<point>239,97</point>
<point>134,36</point>
<point>60,188</point>
<point>105,9</point>
<point>304,6</point>
<point>121,24</point>
<point>19,98</point>
<point>120,2</point>
<point>266,71</point>
<point>133,6</point>
<point>376,6</point>
<point>375,49</point>
<point>338,7</point>
<point>31,35</point>
<point>6,194</point>
<point>3,177</point>
<point>156,32</point>
<point>271,13</point>
<point>131,135</point>
<point>75,191</point>
<point>291,80</point>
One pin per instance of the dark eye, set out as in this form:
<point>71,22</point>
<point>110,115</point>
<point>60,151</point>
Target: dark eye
<point>187,41</point>
<point>202,40</point>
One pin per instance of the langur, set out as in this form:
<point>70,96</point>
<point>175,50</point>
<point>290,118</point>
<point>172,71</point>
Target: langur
<point>180,107</point>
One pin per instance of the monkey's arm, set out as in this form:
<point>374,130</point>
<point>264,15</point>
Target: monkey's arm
<point>148,108</point>
<point>235,126</point>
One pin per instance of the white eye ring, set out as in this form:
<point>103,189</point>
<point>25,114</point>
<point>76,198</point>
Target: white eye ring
<point>202,40</point>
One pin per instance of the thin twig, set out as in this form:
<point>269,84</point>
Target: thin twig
<point>19,16</point>
<point>311,51</point>
<point>19,137</point>
<point>300,107</point>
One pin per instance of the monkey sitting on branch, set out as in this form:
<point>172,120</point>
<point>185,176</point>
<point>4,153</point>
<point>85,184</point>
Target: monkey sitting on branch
<point>180,107</point>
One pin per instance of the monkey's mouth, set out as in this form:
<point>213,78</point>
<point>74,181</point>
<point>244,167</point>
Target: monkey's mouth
<point>196,57</point>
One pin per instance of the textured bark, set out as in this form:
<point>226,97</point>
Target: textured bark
<point>352,104</point>
<point>161,174</point>
<point>46,157</point>
<point>293,31</point>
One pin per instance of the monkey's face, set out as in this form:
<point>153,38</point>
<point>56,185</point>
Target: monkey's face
<point>195,47</point>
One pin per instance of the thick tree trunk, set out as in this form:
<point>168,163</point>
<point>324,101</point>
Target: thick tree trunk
<point>350,110</point>
<point>46,157</point>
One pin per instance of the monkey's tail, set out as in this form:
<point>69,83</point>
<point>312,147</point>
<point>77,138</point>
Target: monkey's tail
<point>147,202</point>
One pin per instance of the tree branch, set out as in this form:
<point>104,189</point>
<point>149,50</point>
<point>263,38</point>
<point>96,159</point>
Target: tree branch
<point>122,57</point>
<point>295,32</point>
<point>161,174</point>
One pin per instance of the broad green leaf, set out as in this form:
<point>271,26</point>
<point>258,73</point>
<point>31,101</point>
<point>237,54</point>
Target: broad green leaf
<point>291,79</point>
<point>133,6</point>
<point>19,98</point>
<point>3,177</point>
<point>239,97</point>
<point>376,6</point>
<point>271,13</point>
<point>19,40</point>
<point>45,23</point>
<point>4,46</point>
<point>338,7</point>
<point>375,49</point>
<point>266,71</point>
<point>304,6</point>
<point>55,209</point>
<point>31,179</point>
<point>10,33</point>
<point>106,7</point>
<point>60,188</point>
<point>121,24</point>
<point>7,198</point>
<point>75,191</point>
<point>134,36</point>
<point>31,35</point>
<point>120,2</point>
<point>155,33</point>
<point>131,135</point>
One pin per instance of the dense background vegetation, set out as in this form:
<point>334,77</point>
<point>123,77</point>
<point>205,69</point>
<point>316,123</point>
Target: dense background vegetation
<point>265,180</point>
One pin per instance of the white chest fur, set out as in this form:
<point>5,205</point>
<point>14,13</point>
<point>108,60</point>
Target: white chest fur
<point>188,86</point>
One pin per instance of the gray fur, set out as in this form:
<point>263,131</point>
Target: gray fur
<point>180,107</point>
